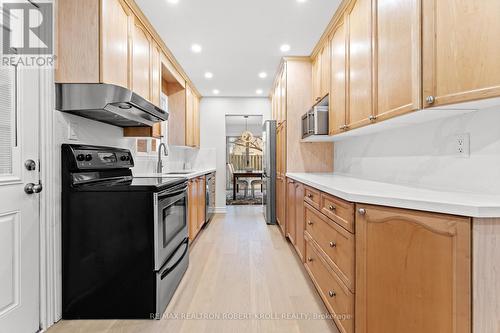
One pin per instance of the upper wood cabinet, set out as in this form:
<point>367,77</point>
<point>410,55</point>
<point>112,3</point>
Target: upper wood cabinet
<point>321,74</point>
<point>141,61</point>
<point>360,87</point>
<point>155,74</point>
<point>337,112</point>
<point>414,266</point>
<point>460,51</point>
<point>192,119</point>
<point>398,54</point>
<point>115,43</point>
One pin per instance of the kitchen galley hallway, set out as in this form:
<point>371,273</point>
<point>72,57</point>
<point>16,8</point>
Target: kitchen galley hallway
<point>242,277</point>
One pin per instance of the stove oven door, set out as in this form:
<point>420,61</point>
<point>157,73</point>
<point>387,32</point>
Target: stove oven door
<point>170,222</point>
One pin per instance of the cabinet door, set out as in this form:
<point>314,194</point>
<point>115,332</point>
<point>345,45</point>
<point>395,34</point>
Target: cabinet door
<point>196,115</point>
<point>360,106</point>
<point>398,57</point>
<point>337,112</point>
<point>141,61</point>
<point>412,271</point>
<point>283,94</point>
<point>189,117</point>
<point>325,70</point>
<point>155,74</point>
<point>201,201</point>
<point>115,36</point>
<point>299,220</point>
<point>316,79</point>
<point>290,211</point>
<point>192,209</point>
<point>460,50</point>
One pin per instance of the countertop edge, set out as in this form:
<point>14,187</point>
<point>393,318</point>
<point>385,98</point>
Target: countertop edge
<point>468,210</point>
<point>176,175</point>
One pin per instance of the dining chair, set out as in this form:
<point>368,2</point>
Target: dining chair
<point>239,182</point>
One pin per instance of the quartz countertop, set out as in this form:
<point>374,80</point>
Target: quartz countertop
<point>386,194</point>
<point>182,174</point>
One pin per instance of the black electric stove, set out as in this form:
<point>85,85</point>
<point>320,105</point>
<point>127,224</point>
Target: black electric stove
<point>124,239</point>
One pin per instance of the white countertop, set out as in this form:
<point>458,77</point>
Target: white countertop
<point>378,193</point>
<point>192,174</point>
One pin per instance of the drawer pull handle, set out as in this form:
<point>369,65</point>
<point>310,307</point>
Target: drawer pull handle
<point>362,211</point>
<point>333,244</point>
<point>309,259</point>
<point>332,293</point>
<point>309,195</point>
<point>310,222</point>
<point>332,207</point>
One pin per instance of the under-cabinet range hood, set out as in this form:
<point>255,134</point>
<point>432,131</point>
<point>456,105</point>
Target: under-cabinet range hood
<point>107,103</point>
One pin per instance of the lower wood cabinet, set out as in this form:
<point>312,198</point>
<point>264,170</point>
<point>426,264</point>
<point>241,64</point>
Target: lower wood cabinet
<point>413,271</point>
<point>196,206</point>
<point>338,299</point>
<point>401,271</point>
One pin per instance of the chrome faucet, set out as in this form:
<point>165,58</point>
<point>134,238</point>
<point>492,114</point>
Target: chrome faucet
<point>159,166</point>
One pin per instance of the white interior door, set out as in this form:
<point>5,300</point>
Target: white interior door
<point>19,211</point>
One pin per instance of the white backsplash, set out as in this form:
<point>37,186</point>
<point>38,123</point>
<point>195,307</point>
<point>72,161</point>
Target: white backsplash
<point>423,155</point>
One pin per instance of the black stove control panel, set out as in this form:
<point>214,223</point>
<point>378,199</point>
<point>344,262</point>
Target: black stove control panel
<point>101,158</point>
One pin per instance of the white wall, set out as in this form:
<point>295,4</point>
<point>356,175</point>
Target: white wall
<point>424,155</point>
<point>213,113</point>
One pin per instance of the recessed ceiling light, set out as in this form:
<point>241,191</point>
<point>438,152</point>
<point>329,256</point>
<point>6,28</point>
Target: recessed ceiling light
<point>209,75</point>
<point>259,91</point>
<point>215,91</point>
<point>285,48</point>
<point>262,75</point>
<point>173,2</point>
<point>196,48</point>
<point>301,1</point>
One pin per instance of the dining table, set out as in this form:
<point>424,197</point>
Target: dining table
<point>244,174</point>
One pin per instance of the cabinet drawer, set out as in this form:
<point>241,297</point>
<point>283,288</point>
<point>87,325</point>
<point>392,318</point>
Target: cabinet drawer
<point>337,244</point>
<point>338,299</point>
<point>312,197</point>
<point>339,210</point>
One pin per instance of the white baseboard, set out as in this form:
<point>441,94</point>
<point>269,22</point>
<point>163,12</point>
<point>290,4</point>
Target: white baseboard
<point>221,210</point>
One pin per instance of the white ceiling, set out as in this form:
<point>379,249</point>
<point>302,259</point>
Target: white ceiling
<point>240,38</point>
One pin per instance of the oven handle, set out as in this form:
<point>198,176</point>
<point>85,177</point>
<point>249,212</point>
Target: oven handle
<point>171,268</point>
<point>168,194</point>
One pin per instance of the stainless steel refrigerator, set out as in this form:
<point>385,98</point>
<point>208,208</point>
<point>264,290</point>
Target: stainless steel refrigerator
<point>269,171</point>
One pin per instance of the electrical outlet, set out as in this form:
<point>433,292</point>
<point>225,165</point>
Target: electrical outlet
<point>72,128</point>
<point>462,145</point>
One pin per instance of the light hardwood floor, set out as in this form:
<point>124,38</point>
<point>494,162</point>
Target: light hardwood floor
<point>238,266</point>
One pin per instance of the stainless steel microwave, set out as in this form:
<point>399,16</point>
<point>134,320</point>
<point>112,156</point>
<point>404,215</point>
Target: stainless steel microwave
<point>315,121</point>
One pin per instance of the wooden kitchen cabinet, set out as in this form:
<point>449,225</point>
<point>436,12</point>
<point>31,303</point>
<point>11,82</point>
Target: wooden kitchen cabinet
<point>359,97</point>
<point>291,224</point>
<point>116,44</point>
<point>141,61</point>
<point>192,209</point>
<point>201,183</point>
<point>299,220</point>
<point>321,74</point>
<point>460,51</point>
<point>192,119</point>
<point>398,54</point>
<point>413,271</point>
<point>337,111</point>
<point>196,206</point>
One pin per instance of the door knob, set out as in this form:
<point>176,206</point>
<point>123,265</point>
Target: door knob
<point>31,188</point>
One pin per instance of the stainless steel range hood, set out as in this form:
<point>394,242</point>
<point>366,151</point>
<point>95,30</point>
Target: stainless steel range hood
<point>107,103</point>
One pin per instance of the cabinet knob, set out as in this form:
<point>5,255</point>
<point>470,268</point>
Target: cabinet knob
<point>332,293</point>
<point>372,118</point>
<point>332,207</point>
<point>362,211</point>
<point>310,222</point>
<point>309,259</point>
<point>333,244</point>
<point>309,195</point>
<point>430,99</point>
